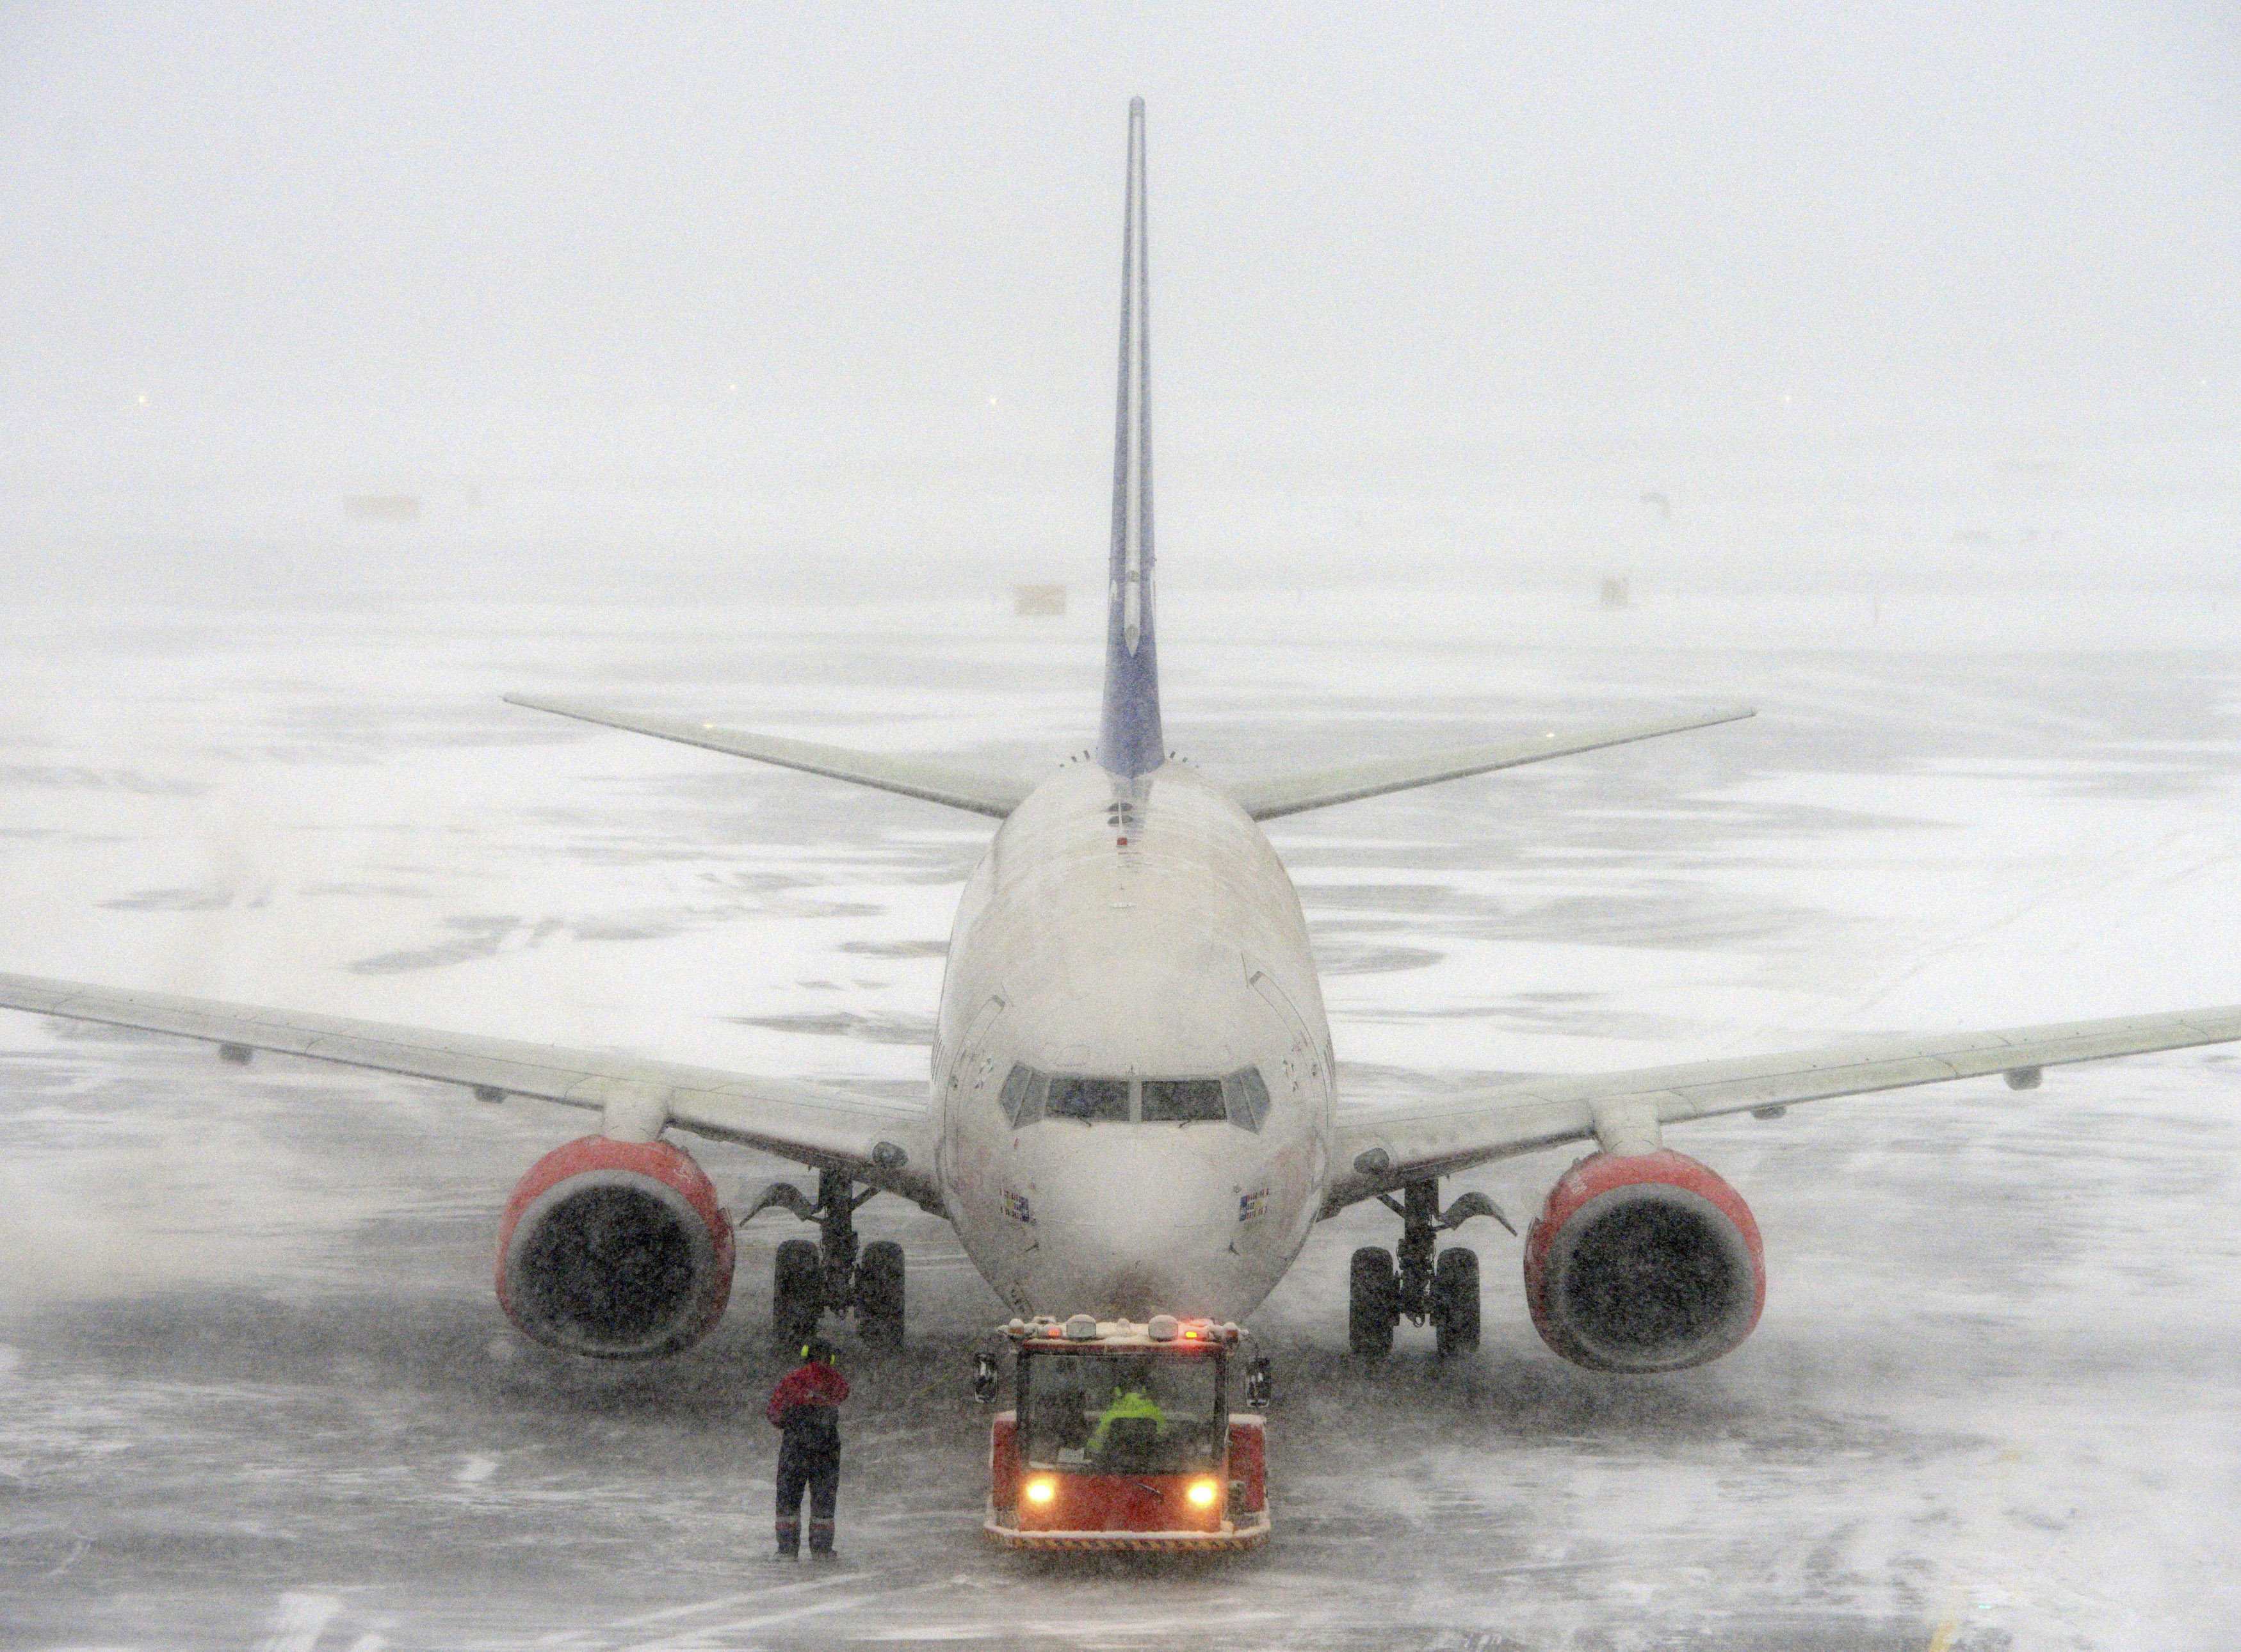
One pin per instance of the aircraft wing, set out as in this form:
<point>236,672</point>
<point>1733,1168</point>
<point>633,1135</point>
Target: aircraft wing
<point>1291,793</point>
<point>887,1143</point>
<point>913,777</point>
<point>1377,1153</point>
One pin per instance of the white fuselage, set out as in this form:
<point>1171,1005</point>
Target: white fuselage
<point>1131,931</point>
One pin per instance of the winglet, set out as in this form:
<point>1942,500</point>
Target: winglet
<point>1129,741</point>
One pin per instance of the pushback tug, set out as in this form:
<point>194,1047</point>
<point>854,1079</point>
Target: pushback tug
<point>1119,1437</point>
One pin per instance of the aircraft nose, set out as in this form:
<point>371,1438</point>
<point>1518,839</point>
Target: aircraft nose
<point>1139,1233</point>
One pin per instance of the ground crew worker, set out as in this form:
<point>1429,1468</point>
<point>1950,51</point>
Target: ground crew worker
<point>804,1408</point>
<point>1129,1399</point>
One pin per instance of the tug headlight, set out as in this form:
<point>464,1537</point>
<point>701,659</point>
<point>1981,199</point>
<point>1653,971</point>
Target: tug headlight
<point>1202,1493</point>
<point>1041,1489</point>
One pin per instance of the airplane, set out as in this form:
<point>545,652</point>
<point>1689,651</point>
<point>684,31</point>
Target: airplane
<point>1134,1097</point>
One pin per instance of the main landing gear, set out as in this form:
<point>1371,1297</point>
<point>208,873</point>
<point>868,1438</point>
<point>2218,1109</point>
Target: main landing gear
<point>830,1275</point>
<point>1442,1288</point>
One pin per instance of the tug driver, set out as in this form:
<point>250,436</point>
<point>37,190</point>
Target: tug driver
<point>1132,1400</point>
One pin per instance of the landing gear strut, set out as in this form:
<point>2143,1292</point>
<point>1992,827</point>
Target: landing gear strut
<point>1441,1286</point>
<point>831,1274</point>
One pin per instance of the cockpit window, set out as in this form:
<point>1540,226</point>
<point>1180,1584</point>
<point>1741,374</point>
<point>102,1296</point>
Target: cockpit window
<point>1247,1099</point>
<point>1027,1095</point>
<point>1091,1100</point>
<point>1022,1099</point>
<point>1182,1101</point>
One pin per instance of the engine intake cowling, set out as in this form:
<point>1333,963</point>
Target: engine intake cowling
<point>614,1249</point>
<point>1643,1262</point>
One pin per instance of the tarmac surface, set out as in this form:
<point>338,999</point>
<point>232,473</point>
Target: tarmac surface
<point>255,1391</point>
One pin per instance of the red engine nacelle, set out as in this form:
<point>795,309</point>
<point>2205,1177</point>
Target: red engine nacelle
<point>615,1249</point>
<point>1643,1262</point>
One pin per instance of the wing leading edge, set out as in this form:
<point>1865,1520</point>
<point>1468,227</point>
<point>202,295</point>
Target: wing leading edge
<point>1378,1153</point>
<point>886,1144</point>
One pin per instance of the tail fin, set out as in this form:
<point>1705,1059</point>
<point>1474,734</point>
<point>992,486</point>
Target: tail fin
<point>1129,740</point>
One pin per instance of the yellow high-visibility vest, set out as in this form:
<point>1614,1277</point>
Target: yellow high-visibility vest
<point>1129,1402</point>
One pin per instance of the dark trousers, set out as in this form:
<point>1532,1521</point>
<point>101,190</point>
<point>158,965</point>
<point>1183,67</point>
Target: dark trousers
<point>820,1478</point>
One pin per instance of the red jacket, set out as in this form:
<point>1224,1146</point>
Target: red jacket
<point>812,1384</point>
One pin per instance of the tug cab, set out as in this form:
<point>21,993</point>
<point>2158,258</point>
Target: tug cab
<point>1121,1437</point>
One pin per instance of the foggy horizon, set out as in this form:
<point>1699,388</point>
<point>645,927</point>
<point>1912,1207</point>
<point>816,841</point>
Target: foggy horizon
<point>626,298</point>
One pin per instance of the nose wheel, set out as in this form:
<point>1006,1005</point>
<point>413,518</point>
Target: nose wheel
<point>1424,1283</point>
<point>831,1274</point>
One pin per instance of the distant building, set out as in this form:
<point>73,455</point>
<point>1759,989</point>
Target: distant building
<point>382,507</point>
<point>1618,590</point>
<point>1039,602</point>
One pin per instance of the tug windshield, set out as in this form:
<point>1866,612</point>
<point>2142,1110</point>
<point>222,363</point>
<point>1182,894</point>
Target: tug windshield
<point>1129,1414</point>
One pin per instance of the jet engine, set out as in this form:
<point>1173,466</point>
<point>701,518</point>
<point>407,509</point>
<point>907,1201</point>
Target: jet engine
<point>1643,1262</point>
<point>614,1249</point>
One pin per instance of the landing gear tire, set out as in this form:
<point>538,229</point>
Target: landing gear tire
<point>880,1295</point>
<point>1455,1302</point>
<point>797,1294</point>
<point>1373,1303</point>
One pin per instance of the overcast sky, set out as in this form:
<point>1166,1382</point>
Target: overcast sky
<point>1440,285</point>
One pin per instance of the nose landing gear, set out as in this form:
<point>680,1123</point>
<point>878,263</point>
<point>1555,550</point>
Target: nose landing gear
<point>1441,1286</point>
<point>829,1274</point>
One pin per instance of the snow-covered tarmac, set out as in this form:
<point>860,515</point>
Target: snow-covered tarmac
<point>255,1392</point>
